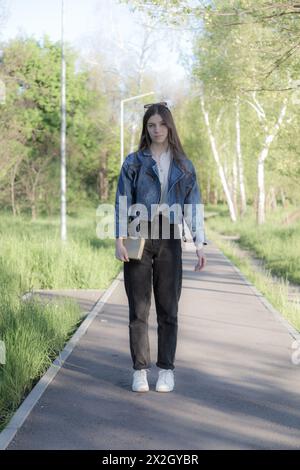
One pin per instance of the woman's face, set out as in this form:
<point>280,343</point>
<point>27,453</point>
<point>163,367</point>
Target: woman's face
<point>157,129</point>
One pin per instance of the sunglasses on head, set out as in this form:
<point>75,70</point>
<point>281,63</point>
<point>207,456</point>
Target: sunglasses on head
<point>163,103</point>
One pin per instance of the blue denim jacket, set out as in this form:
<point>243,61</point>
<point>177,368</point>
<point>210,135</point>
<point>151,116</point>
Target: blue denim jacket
<point>139,182</point>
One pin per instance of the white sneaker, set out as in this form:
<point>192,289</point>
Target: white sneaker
<point>140,382</point>
<point>165,382</point>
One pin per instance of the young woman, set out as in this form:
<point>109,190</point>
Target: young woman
<point>158,174</point>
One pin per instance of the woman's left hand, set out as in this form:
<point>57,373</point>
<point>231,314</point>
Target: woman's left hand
<point>201,260</point>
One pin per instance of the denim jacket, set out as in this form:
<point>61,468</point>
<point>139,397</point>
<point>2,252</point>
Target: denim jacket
<point>139,182</point>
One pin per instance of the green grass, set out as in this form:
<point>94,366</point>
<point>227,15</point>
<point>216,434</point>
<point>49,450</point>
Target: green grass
<point>33,335</point>
<point>33,257</point>
<point>277,245</point>
<point>42,261</point>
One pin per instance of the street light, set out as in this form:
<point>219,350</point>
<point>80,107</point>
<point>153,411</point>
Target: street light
<point>122,120</point>
<point>63,210</point>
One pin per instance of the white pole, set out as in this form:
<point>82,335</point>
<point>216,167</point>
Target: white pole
<point>122,131</point>
<point>122,120</point>
<point>63,225</point>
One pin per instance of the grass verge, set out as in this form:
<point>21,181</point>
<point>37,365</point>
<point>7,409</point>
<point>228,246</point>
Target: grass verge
<point>275,292</point>
<point>33,257</point>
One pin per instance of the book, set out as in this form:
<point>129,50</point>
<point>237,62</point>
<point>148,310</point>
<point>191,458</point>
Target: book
<point>134,247</point>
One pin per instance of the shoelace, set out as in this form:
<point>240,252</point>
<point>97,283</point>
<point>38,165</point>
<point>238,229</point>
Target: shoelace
<point>165,373</point>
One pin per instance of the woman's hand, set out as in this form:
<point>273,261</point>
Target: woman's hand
<point>121,252</point>
<point>201,260</point>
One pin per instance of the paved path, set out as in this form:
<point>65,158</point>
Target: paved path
<point>236,386</point>
<point>86,298</point>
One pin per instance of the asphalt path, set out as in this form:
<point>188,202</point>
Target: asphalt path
<point>236,386</point>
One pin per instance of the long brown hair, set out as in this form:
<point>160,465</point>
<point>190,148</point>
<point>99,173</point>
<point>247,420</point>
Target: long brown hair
<point>173,138</point>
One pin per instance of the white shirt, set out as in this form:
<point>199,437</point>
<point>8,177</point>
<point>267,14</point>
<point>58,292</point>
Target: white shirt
<point>163,163</point>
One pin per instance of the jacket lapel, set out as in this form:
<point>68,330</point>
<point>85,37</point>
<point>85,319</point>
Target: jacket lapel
<point>175,172</point>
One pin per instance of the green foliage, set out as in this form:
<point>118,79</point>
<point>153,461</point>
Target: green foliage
<point>32,257</point>
<point>240,48</point>
<point>30,127</point>
<point>36,253</point>
<point>275,242</point>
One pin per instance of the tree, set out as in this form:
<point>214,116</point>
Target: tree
<point>30,123</point>
<point>236,56</point>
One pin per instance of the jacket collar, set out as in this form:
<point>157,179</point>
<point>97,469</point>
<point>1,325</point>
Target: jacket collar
<point>175,174</point>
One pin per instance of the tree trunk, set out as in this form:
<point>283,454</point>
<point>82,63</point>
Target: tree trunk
<point>283,198</point>
<point>217,160</point>
<point>208,187</point>
<point>240,160</point>
<point>234,183</point>
<point>272,202</point>
<point>103,188</point>
<point>260,216</point>
<point>213,196</point>
<point>260,213</point>
<point>12,190</point>
<point>33,210</point>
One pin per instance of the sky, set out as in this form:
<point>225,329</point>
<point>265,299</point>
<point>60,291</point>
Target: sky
<point>84,19</point>
<point>36,17</point>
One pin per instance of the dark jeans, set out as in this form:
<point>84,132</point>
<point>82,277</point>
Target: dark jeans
<point>161,264</point>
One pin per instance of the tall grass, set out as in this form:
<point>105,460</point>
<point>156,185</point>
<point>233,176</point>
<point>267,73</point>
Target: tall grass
<point>276,244</point>
<point>33,334</point>
<point>42,261</point>
<point>33,257</point>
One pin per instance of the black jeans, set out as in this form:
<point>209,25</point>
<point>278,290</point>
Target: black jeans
<point>161,264</point>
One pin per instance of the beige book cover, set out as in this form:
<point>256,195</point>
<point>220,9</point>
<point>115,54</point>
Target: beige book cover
<point>134,247</point>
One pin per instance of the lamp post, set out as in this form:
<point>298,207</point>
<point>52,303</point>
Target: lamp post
<point>63,224</point>
<point>122,120</point>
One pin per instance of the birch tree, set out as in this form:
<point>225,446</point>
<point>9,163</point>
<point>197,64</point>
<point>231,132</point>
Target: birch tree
<point>240,165</point>
<point>216,155</point>
<point>270,130</point>
<point>236,53</point>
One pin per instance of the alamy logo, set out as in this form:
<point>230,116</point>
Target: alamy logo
<point>110,226</point>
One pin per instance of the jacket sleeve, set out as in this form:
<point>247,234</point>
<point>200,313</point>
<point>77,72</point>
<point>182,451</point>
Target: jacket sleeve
<point>194,211</point>
<point>123,201</point>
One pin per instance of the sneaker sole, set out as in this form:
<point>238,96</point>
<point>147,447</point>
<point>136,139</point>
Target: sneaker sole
<point>164,389</point>
<point>141,390</point>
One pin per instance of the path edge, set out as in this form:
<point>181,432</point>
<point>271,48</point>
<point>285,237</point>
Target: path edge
<point>278,316</point>
<point>20,415</point>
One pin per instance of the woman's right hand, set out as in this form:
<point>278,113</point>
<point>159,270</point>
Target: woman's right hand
<point>121,252</point>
